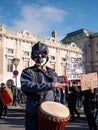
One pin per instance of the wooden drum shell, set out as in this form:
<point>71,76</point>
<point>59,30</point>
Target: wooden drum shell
<point>48,122</point>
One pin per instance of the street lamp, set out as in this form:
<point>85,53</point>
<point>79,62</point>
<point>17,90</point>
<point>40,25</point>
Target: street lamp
<point>15,62</point>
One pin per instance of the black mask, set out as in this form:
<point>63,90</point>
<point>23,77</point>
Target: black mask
<point>40,53</point>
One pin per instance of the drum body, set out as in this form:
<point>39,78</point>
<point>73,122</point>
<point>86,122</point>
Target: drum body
<point>53,116</point>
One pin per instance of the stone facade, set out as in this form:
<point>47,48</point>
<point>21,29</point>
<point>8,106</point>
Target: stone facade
<point>88,42</point>
<point>16,44</point>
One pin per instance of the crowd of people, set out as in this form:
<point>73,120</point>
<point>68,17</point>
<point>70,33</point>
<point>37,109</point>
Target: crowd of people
<point>75,98</point>
<point>18,98</point>
<point>3,106</point>
<point>41,83</point>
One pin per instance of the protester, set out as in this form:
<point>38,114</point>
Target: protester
<point>96,97</point>
<point>79,96</point>
<point>96,105</point>
<point>62,99</point>
<point>14,91</point>
<point>3,108</point>
<point>89,108</point>
<point>71,99</point>
<point>40,83</point>
<point>63,90</point>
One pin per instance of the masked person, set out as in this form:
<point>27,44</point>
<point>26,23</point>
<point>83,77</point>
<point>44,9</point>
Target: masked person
<point>40,83</point>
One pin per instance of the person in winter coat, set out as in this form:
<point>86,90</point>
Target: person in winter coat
<point>40,83</point>
<point>89,108</point>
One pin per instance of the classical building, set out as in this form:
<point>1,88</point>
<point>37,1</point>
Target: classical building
<point>88,42</point>
<point>18,44</point>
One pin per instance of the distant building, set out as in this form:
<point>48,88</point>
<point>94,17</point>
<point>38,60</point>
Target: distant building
<point>88,42</point>
<point>17,44</point>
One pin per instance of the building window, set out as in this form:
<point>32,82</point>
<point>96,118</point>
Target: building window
<point>53,66</point>
<point>26,64</point>
<point>9,65</point>
<point>26,53</point>
<point>11,51</point>
<point>75,37</point>
<point>52,57</point>
<point>63,59</point>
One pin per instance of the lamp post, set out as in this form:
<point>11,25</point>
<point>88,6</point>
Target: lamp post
<point>15,62</point>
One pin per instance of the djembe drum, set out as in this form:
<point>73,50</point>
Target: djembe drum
<point>53,116</point>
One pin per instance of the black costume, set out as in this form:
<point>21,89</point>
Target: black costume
<point>72,97</point>
<point>89,107</point>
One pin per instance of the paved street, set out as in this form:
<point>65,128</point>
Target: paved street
<point>15,121</point>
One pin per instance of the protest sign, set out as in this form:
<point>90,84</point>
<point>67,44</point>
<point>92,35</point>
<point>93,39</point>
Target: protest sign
<point>89,81</point>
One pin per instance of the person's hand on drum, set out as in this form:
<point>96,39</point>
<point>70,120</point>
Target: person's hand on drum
<point>58,85</point>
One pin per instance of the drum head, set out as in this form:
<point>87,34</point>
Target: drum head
<point>54,109</point>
